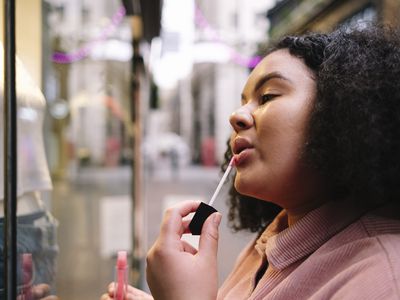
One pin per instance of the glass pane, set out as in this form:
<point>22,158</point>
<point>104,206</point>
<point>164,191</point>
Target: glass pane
<point>113,130</point>
<point>123,111</point>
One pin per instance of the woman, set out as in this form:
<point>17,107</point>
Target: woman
<point>316,144</point>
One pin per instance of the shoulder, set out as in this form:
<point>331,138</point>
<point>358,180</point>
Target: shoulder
<point>383,237</point>
<point>366,255</point>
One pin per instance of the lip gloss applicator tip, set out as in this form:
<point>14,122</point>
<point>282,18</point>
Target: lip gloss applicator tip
<point>204,210</point>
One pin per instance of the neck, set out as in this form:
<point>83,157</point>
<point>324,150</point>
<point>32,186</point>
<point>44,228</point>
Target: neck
<point>296,213</point>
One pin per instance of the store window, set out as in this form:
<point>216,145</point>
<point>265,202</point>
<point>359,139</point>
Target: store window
<point>108,130</point>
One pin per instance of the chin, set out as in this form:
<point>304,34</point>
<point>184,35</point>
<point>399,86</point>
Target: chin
<point>243,188</point>
<point>247,188</point>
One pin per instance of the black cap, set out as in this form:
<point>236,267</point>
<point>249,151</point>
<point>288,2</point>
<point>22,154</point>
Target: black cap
<point>200,216</point>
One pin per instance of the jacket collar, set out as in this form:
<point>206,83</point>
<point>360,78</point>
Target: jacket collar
<point>283,245</point>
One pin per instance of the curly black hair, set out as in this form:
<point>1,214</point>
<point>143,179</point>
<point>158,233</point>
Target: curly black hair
<point>353,137</point>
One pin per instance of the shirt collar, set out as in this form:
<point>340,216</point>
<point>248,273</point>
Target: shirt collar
<point>283,245</point>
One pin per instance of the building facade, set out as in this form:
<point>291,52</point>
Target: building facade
<point>299,16</point>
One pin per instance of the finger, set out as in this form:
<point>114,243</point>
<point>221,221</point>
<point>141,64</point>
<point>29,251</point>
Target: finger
<point>189,248</point>
<point>50,298</point>
<point>40,290</point>
<point>208,244</point>
<point>111,288</point>
<point>172,222</point>
<point>105,297</point>
<point>134,293</point>
<point>140,297</point>
<point>185,225</point>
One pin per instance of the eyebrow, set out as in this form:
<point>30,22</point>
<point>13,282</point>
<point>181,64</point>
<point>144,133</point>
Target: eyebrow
<point>265,78</point>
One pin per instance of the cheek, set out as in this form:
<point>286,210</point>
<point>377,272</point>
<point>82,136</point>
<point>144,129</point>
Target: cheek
<point>282,124</point>
<point>279,141</point>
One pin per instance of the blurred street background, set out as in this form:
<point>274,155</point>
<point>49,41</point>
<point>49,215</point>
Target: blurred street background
<point>138,96</point>
<point>86,260</point>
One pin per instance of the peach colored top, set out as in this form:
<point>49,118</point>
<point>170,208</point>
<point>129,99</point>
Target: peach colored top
<point>334,252</point>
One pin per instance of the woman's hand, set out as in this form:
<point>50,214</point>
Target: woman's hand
<point>176,270</point>
<point>132,293</point>
<point>38,292</point>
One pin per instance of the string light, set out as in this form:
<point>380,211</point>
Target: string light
<point>67,58</point>
<point>236,57</point>
<point>201,21</point>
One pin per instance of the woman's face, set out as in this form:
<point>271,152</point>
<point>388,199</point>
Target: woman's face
<point>269,132</point>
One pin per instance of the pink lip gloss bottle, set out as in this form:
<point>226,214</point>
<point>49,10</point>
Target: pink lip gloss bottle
<point>27,269</point>
<point>121,272</point>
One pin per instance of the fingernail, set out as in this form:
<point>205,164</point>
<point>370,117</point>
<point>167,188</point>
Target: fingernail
<point>217,219</point>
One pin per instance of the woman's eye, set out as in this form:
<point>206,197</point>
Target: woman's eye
<point>267,97</point>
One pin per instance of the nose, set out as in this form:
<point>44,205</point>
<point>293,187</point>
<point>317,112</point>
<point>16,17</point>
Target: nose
<point>241,119</point>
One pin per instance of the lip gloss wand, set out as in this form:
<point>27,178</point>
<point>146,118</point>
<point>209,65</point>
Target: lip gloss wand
<point>204,210</point>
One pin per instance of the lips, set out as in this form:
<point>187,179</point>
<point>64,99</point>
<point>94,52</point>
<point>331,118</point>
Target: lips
<point>240,144</point>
